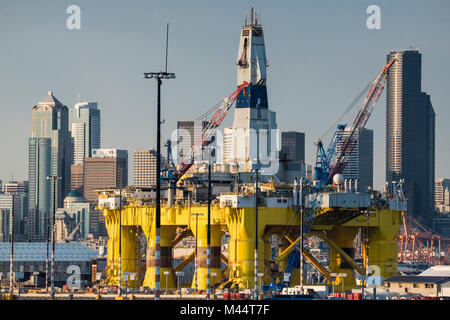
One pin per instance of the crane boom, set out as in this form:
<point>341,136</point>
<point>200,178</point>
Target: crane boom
<point>72,234</point>
<point>207,133</point>
<point>348,144</point>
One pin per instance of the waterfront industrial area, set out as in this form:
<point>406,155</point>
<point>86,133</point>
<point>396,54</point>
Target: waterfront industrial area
<point>232,213</point>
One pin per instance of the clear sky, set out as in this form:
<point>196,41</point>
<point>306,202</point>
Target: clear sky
<point>321,55</point>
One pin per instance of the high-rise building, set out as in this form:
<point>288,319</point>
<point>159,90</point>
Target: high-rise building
<point>227,145</point>
<point>440,184</point>
<point>49,154</point>
<point>254,122</point>
<point>39,167</point>
<point>292,157</point>
<point>145,174</point>
<point>360,162</point>
<point>76,178</point>
<point>188,132</point>
<point>442,195</point>
<point>84,125</point>
<point>20,186</point>
<point>20,191</point>
<point>309,172</point>
<point>293,146</point>
<point>410,133</point>
<point>4,225</point>
<point>107,168</point>
<point>18,203</point>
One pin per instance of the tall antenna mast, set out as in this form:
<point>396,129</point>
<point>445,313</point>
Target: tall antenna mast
<point>167,43</point>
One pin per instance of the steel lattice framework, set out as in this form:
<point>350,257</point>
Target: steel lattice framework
<point>376,89</point>
<point>222,109</point>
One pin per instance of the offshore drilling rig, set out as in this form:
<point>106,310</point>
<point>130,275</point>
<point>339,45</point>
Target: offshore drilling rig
<point>329,207</point>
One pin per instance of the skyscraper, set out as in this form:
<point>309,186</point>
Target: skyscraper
<point>76,178</point>
<point>107,168</point>
<point>228,145</point>
<point>188,133</point>
<point>20,186</point>
<point>292,156</point>
<point>440,185</point>
<point>293,146</point>
<point>17,190</point>
<point>84,125</point>
<point>410,133</point>
<point>18,203</point>
<point>145,168</point>
<point>4,225</point>
<point>39,167</point>
<point>360,162</point>
<point>49,154</point>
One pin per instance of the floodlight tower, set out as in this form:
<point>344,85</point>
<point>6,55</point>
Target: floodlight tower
<point>158,76</point>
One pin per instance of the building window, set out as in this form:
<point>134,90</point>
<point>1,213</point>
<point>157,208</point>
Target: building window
<point>415,285</point>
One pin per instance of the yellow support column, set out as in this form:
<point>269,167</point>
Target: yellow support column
<point>241,224</point>
<point>166,259</point>
<point>383,245</point>
<point>129,246</point>
<point>216,235</point>
<point>112,246</point>
<point>129,257</point>
<point>343,237</point>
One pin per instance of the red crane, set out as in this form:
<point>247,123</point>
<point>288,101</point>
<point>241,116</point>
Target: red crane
<point>337,164</point>
<point>204,138</point>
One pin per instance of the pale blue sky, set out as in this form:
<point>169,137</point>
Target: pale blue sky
<point>321,55</point>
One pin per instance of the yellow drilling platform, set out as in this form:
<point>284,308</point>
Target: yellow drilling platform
<point>335,216</point>
<point>337,221</point>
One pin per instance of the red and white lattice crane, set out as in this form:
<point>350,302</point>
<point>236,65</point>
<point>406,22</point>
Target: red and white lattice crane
<point>204,138</point>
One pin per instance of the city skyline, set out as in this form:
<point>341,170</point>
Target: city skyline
<point>295,81</point>
<point>268,168</point>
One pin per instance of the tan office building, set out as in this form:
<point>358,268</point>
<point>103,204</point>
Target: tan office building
<point>107,168</point>
<point>76,178</point>
<point>145,168</point>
